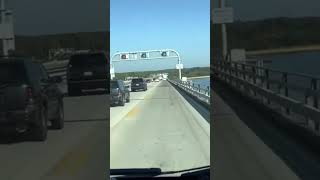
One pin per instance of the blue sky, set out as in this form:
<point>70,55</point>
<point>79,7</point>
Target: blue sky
<point>183,25</point>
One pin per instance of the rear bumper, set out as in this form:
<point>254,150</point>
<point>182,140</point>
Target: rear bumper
<point>16,117</point>
<point>137,87</point>
<point>89,84</point>
<point>115,99</point>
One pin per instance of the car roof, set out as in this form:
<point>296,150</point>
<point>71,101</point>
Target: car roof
<point>19,60</point>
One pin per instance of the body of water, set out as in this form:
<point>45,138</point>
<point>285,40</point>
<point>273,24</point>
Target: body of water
<point>306,62</point>
<point>204,82</point>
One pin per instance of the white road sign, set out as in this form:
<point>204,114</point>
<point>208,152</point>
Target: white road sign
<point>222,15</point>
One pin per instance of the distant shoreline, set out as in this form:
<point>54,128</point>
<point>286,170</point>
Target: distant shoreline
<point>284,50</point>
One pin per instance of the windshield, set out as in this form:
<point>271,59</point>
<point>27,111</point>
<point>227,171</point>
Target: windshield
<point>85,60</point>
<point>12,72</point>
<point>137,80</point>
<point>155,124</point>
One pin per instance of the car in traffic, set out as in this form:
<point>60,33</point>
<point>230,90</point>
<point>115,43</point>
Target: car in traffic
<point>29,98</point>
<point>87,71</point>
<point>119,93</point>
<point>138,84</point>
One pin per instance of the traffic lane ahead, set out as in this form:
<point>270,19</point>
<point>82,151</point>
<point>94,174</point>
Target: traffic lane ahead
<point>77,151</point>
<point>118,112</point>
<point>160,132</point>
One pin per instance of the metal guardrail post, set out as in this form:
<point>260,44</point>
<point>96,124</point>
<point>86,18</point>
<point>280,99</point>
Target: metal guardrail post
<point>315,102</point>
<point>254,75</point>
<point>243,71</point>
<point>267,82</point>
<point>254,80</point>
<point>286,90</point>
<point>315,97</point>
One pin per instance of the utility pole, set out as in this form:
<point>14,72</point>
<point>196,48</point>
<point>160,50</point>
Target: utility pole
<point>3,19</point>
<point>6,29</point>
<point>224,33</point>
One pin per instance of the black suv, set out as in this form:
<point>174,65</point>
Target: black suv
<point>119,93</point>
<point>138,84</point>
<point>29,98</point>
<point>87,71</point>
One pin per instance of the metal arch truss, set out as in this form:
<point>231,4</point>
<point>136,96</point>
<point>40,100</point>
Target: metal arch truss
<point>136,56</point>
<point>139,53</point>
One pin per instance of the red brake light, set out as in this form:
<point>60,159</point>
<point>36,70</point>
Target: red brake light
<point>29,94</point>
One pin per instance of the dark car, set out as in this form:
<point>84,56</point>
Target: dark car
<point>29,98</point>
<point>87,71</point>
<point>138,84</point>
<point>119,93</point>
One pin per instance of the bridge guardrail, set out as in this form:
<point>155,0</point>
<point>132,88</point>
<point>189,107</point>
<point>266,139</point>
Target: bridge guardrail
<point>295,96</point>
<point>57,68</point>
<point>195,90</point>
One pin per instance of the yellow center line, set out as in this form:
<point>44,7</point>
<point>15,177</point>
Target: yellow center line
<point>133,112</point>
<point>71,163</point>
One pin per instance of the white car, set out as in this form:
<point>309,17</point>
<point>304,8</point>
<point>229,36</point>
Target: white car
<point>157,80</point>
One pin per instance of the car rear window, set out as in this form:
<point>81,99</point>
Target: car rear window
<point>12,72</point>
<point>137,80</point>
<point>85,60</point>
<point>114,84</point>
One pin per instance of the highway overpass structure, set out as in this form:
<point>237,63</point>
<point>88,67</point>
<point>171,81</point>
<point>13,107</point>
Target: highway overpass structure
<point>148,55</point>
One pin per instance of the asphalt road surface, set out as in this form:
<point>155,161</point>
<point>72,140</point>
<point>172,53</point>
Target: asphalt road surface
<point>159,129</point>
<point>76,152</point>
<point>239,153</point>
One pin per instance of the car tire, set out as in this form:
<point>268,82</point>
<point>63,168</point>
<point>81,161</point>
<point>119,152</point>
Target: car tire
<point>122,102</point>
<point>58,122</point>
<point>39,131</point>
<point>73,91</point>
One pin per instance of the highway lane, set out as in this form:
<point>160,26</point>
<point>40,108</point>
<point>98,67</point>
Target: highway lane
<point>161,130</point>
<point>118,112</point>
<point>76,152</point>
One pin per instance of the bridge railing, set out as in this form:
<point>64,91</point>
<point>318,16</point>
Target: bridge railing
<point>294,95</point>
<point>57,68</point>
<point>195,90</point>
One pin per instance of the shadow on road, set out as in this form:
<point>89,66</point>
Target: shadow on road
<point>11,137</point>
<point>286,140</point>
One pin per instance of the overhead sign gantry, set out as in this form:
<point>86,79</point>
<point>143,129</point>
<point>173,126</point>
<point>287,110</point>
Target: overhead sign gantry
<point>146,55</point>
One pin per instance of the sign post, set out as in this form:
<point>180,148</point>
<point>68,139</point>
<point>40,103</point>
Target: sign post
<point>6,29</point>
<point>222,16</point>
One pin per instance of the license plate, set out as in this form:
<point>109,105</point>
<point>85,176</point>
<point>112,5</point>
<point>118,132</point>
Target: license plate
<point>137,84</point>
<point>87,73</point>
